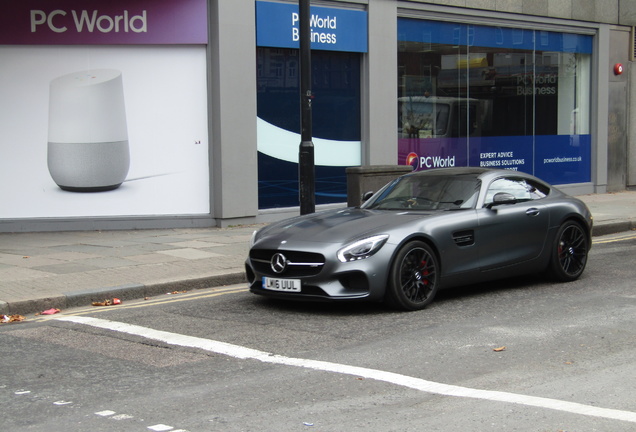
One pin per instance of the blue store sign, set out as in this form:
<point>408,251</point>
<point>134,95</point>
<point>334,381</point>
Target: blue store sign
<point>277,25</point>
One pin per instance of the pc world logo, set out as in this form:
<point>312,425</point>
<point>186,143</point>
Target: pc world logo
<point>426,162</point>
<point>414,160</point>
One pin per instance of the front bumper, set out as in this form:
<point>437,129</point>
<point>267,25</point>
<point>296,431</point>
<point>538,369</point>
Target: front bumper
<point>322,279</point>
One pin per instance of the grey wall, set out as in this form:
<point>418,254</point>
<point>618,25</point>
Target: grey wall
<point>617,122</point>
<point>602,11</point>
<point>379,128</point>
<point>631,150</point>
<point>232,95</point>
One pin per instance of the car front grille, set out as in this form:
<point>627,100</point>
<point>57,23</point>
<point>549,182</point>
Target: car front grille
<point>298,264</point>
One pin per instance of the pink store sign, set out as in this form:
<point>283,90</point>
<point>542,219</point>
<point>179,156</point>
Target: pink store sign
<point>103,22</point>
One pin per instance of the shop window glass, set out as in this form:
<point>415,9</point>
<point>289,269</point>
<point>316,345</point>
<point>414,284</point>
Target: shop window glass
<point>496,97</point>
<point>335,124</point>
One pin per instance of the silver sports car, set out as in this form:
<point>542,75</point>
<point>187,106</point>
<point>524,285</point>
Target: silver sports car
<point>423,232</point>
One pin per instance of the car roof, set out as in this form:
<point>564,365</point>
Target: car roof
<point>477,172</point>
<point>470,171</point>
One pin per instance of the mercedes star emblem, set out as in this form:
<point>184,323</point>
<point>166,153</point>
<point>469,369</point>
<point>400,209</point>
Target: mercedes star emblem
<point>278,263</point>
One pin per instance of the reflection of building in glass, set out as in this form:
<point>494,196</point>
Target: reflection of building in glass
<point>477,83</point>
<point>435,117</point>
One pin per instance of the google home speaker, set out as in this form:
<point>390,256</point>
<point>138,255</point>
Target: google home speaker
<point>88,135</point>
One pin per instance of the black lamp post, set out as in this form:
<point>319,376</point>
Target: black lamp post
<point>306,174</point>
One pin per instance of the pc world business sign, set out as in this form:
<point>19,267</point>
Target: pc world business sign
<point>277,25</point>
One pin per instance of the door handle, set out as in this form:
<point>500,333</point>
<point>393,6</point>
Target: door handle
<point>533,211</point>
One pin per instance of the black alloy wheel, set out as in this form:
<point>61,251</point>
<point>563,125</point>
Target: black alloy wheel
<point>413,280</point>
<point>569,255</point>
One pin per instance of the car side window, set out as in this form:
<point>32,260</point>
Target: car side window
<point>522,189</point>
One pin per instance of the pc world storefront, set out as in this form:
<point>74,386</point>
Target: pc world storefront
<point>201,113</point>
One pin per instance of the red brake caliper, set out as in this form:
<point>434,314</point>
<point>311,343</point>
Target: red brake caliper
<point>424,272</point>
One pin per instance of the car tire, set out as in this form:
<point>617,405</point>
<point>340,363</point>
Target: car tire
<point>414,277</point>
<point>569,252</point>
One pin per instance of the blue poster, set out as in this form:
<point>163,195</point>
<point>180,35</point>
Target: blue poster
<point>335,119</point>
<point>277,25</point>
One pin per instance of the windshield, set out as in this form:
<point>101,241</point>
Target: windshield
<point>427,192</point>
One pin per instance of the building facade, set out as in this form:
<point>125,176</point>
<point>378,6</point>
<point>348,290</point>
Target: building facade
<point>185,113</point>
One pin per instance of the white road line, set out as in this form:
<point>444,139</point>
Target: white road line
<point>160,428</point>
<point>378,375</point>
<point>122,417</point>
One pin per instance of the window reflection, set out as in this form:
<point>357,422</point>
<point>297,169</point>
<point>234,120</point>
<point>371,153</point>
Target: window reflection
<point>520,189</point>
<point>469,92</point>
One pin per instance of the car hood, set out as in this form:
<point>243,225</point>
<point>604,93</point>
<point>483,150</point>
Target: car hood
<point>339,226</point>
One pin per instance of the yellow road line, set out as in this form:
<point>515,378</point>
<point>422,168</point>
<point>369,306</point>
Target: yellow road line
<point>616,239</point>
<point>139,303</point>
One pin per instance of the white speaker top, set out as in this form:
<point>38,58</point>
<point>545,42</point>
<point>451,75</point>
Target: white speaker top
<point>87,78</point>
<point>87,107</point>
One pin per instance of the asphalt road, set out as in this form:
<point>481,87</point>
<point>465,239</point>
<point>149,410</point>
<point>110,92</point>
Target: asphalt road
<point>519,355</point>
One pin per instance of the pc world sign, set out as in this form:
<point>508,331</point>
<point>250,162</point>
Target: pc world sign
<point>117,22</point>
<point>277,25</point>
<point>59,21</point>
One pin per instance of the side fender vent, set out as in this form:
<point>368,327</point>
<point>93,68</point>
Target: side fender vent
<point>464,238</point>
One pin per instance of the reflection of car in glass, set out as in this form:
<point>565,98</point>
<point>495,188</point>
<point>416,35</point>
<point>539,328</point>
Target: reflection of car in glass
<point>438,117</point>
<point>422,232</point>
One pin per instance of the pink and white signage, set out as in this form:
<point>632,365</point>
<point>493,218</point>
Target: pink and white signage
<point>101,22</point>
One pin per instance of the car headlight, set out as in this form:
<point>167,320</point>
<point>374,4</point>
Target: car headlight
<point>253,238</point>
<point>362,249</point>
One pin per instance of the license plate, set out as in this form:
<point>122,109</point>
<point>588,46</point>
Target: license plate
<point>289,285</point>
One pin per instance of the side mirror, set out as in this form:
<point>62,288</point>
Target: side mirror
<point>367,195</point>
<point>501,198</point>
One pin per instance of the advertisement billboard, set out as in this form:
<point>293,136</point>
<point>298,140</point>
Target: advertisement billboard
<point>98,123</point>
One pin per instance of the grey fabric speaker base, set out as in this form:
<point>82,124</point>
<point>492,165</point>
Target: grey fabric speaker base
<point>88,167</point>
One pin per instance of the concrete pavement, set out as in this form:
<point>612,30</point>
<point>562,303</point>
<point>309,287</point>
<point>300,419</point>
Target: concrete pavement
<point>60,270</point>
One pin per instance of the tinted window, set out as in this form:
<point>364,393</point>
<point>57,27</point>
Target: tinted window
<point>521,189</point>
